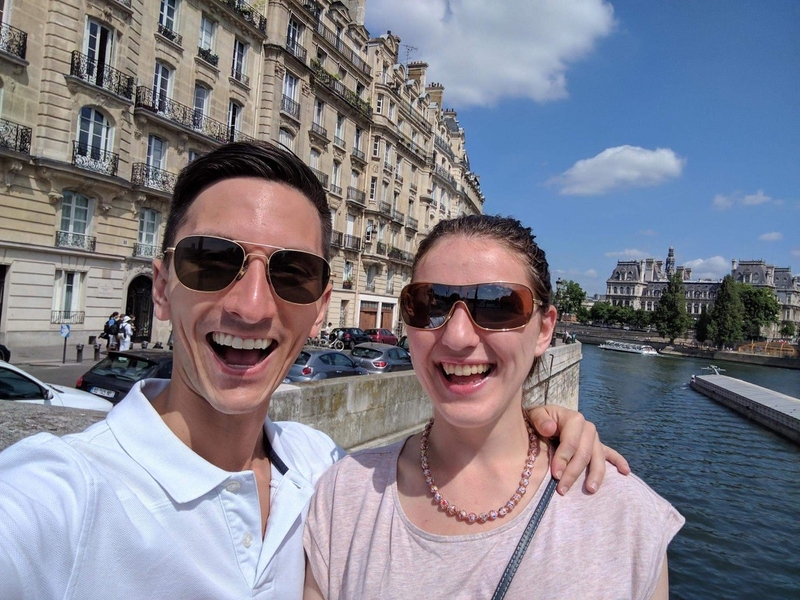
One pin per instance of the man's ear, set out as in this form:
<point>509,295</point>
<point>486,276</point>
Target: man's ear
<point>160,296</point>
<point>323,311</point>
<point>549,318</point>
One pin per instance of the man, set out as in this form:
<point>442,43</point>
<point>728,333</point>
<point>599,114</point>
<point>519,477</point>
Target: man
<point>187,489</point>
<point>111,329</point>
<point>125,334</point>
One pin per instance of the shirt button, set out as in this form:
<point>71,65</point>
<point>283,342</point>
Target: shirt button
<point>247,540</point>
<point>233,486</point>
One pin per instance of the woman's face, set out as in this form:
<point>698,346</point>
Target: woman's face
<point>474,376</point>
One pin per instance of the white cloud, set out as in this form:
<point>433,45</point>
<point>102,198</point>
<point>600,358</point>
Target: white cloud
<point>467,43</point>
<point>772,236</point>
<point>590,273</point>
<point>724,202</point>
<point>796,252</point>
<point>715,267</point>
<point>620,167</point>
<point>629,253</point>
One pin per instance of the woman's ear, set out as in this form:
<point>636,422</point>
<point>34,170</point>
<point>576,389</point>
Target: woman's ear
<point>548,325</point>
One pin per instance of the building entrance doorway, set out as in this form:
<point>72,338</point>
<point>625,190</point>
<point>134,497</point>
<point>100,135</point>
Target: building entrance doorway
<point>139,304</point>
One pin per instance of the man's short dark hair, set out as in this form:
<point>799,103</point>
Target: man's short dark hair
<point>246,159</point>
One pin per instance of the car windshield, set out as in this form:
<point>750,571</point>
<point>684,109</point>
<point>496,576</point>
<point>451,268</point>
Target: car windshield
<point>302,358</point>
<point>365,352</point>
<point>126,368</point>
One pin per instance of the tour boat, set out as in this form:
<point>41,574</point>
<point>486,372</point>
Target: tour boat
<point>629,347</point>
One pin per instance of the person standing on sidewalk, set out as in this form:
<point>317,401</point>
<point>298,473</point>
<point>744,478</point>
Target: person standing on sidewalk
<point>110,330</point>
<point>125,334</point>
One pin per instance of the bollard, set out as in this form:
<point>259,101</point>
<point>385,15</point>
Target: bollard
<point>79,348</point>
<point>97,351</point>
<point>144,345</point>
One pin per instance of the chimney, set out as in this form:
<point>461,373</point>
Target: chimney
<point>416,71</point>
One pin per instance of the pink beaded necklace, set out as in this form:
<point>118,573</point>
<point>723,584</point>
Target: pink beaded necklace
<point>459,513</point>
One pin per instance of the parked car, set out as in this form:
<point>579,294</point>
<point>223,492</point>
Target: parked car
<point>114,376</point>
<point>403,342</point>
<point>314,364</point>
<point>5,353</point>
<point>18,386</point>
<point>350,336</point>
<point>381,336</point>
<point>381,358</point>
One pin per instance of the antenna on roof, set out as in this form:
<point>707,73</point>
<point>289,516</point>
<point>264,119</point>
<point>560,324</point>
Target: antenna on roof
<point>409,49</point>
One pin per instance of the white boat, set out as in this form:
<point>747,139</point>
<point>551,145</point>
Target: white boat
<point>629,347</point>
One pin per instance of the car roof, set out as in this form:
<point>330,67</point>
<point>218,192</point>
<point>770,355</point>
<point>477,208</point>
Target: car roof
<point>375,346</point>
<point>151,355</point>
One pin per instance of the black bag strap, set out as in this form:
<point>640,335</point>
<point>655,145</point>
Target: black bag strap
<point>524,541</point>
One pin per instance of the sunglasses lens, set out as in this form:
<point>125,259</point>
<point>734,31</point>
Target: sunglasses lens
<point>207,264</point>
<point>298,277</point>
<point>492,306</point>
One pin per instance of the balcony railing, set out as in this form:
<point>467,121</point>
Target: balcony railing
<point>296,50</point>
<point>248,13</point>
<point>290,107</point>
<point>240,77</point>
<point>398,177</point>
<point>337,141</point>
<point>71,317</point>
<point>444,174</point>
<point>359,154</point>
<point>153,178</point>
<point>65,239</point>
<point>369,286</point>
<point>15,137</point>
<point>319,130</point>
<point>412,223</point>
<point>169,33</point>
<point>146,250</point>
<point>385,209</point>
<point>13,41</point>
<point>338,43</point>
<point>381,248</point>
<point>94,159</point>
<point>338,88</point>
<point>337,239</point>
<point>323,177</point>
<point>443,146</point>
<point>352,242</point>
<point>398,217</point>
<point>356,195</point>
<point>186,116</point>
<point>336,189</point>
<point>101,75</point>
<point>208,56</point>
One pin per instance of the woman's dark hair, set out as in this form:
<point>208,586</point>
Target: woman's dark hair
<point>246,159</point>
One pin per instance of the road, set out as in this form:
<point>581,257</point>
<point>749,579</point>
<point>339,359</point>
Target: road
<point>66,374</point>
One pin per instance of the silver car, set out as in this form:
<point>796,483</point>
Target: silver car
<point>381,358</point>
<point>313,364</point>
<point>18,386</point>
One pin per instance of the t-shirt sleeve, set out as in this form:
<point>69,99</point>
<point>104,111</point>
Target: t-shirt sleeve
<point>317,533</point>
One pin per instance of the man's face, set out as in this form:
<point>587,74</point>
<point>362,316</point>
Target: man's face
<point>232,348</point>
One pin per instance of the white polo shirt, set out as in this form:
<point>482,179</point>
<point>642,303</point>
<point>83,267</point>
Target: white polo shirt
<point>125,509</point>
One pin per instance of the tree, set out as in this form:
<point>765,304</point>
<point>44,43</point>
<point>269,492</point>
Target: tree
<point>569,297</point>
<point>727,316</point>
<point>703,326</point>
<point>788,329</point>
<point>670,316</point>
<point>600,312</point>
<point>760,308</point>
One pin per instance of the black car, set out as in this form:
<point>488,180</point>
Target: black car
<point>114,376</point>
<point>350,336</point>
<point>5,354</point>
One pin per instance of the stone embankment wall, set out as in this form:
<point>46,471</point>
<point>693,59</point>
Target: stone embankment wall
<point>355,411</point>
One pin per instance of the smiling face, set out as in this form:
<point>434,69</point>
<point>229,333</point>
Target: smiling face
<point>233,347</point>
<point>473,376</point>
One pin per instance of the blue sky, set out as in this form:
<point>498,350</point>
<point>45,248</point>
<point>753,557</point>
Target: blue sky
<point>621,128</point>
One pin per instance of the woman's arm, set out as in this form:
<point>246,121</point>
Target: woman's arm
<point>662,587</point>
<point>311,590</point>
<point>579,447</point>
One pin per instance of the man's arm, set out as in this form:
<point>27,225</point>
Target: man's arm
<point>579,447</point>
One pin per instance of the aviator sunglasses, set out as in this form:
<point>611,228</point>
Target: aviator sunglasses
<point>496,306</point>
<point>205,263</point>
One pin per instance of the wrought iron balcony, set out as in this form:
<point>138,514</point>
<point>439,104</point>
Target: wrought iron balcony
<point>101,75</point>
<point>357,196</point>
<point>240,76</point>
<point>336,189</point>
<point>443,146</point>
<point>337,141</point>
<point>381,248</point>
<point>369,286</point>
<point>65,239</point>
<point>13,41</point>
<point>290,107</point>
<point>385,209</point>
<point>15,137</point>
<point>208,56</point>
<point>170,34</point>
<point>359,155</point>
<point>296,50</point>
<point>248,13</point>
<point>94,159</point>
<point>153,178</point>
<point>71,317</point>
<point>146,250</point>
<point>337,239</point>
<point>323,177</point>
<point>398,177</point>
<point>352,242</point>
<point>338,88</point>
<point>338,43</point>
<point>319,130</point>
<point>412,223</point>
<point>398,217</point>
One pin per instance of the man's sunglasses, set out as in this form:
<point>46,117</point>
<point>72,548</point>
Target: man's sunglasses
<point>494,306</point>
<point>205,263</point>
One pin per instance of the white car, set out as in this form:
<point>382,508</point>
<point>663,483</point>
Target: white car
<point>18,386</point>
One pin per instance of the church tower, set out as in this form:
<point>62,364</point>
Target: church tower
<point>670,266</point>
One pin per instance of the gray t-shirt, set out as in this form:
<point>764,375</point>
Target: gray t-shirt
<point>360,544</point>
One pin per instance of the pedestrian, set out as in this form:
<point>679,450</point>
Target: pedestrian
<point>187,489</point>
<point>125,334</point>
<point>110,330</point>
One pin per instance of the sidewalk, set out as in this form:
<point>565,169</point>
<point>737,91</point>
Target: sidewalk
<point>52,355</point>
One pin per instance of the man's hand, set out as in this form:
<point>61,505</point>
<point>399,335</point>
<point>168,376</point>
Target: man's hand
<point>579,447</point>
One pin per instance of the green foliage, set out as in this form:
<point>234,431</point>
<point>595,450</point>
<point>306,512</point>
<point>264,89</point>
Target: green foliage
<point>727,316</point>
<point>583,315</point>
<point>569,297</point>
<point>670,316</point>
<point>788,329</point>
<point>760,308</point>
<point>600,312</point>
<point>703,326</point>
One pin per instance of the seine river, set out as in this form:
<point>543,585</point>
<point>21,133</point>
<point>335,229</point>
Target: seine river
<point>737,484</point>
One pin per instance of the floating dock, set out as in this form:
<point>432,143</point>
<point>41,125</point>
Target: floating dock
<point>776,411</point>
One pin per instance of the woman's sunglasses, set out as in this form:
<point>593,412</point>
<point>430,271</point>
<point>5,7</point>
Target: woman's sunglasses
<point>494,306</point>
<point>205,263</point>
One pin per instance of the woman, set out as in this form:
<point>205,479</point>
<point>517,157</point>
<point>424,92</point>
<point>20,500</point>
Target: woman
<point>440,513</point>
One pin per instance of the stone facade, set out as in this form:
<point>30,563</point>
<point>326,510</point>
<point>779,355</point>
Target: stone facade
<point>103,102</point>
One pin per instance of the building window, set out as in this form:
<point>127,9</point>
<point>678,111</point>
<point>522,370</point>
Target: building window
<point>319,112</point>
<point>155,152</point>
<point>97,47</point>
<point>234,118</point>
<point>286,139</point>
<point>340,120</point>
<point>201,101</point>
<point>390,280</point>
<point>373,186</point>
<point>67,291</point>
<point>348,270</point>
<point>161,83</point>
<point>75,213</point>
<point>94,134</point>
<point>290,86</point>
<point>336,175</point>
<point>376,147</point>
<point>357,139</point>
<point>206,41</point>
<point>392,110</point>
<point>166,17</point>
<point>149,221</point>
<point>239,62</point>
<point>293,33</point>
<point>379,105</point>
<point>314,160</point>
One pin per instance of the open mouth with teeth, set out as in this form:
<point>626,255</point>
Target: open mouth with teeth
<point>465,374</point>
<point>240,352</point>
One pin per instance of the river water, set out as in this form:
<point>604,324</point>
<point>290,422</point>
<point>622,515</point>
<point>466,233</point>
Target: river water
<point>737,483</point>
